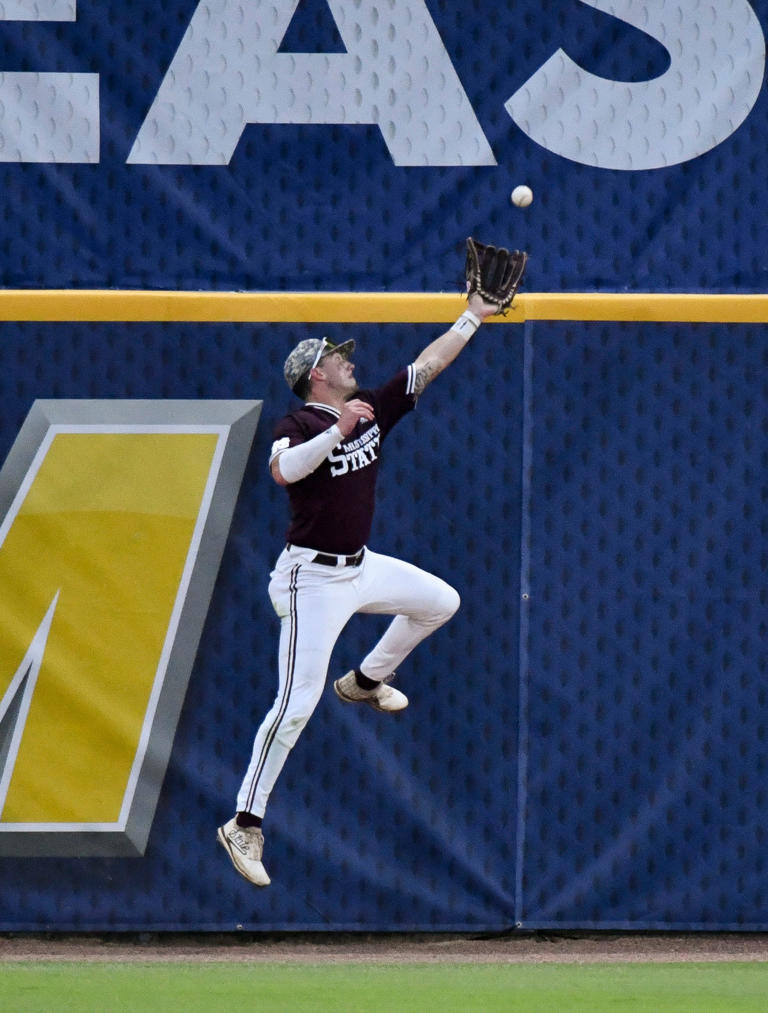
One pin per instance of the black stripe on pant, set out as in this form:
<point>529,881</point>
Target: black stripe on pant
<point>270,736</point>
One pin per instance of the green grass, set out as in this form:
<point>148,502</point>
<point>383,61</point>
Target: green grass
<point>486,988</point>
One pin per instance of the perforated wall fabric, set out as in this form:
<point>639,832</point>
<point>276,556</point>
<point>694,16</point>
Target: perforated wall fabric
<point>321,145</point>
<point>585,741</point>
<point>645,718</point>
<point>375,824</point>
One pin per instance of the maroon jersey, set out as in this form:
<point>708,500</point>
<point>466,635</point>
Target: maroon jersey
<point>332,509</point>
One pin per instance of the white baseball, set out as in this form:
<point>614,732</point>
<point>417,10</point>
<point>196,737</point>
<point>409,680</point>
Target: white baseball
<point>521,196</point>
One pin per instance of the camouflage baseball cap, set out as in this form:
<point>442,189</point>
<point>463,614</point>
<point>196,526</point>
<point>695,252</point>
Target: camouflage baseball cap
<point>308,353</point>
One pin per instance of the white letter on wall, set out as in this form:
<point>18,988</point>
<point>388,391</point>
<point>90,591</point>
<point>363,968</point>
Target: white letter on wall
<point>49,117</point>
<point>717,52</point>
<point>396,73</point>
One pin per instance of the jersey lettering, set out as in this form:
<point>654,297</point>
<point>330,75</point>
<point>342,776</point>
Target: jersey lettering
<point>357,454</point>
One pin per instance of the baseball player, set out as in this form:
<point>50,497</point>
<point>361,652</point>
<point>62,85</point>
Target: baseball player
<point>326,454</point>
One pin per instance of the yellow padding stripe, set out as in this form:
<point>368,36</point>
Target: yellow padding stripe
<point>367,307</point>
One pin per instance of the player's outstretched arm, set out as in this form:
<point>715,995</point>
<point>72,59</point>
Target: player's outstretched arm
<point>443,350</point>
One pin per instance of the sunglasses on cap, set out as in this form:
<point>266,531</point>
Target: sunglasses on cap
<point>326,347</point>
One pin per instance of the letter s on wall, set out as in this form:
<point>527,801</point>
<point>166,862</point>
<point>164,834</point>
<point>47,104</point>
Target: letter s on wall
<point>709,89</point>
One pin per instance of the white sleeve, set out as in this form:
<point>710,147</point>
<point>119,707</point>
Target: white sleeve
<point>297,462</point>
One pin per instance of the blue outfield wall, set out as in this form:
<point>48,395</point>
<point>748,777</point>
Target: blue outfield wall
<point>645,726</point>
<point>586,741</point>
<point>313,145</point>
<point>374,824</point>
<point>585,745</point>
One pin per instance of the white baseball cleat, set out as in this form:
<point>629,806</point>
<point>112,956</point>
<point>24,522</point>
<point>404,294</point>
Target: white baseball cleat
<point>245,846</point>
<point>382,698</point>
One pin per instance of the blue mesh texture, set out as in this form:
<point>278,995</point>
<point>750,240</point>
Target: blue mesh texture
<point>374,824</point>
<point>647,703</point>
<point>641,747</point>
<point>311,206</point>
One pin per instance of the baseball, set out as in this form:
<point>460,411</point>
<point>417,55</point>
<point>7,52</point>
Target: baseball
<point>521,196</point>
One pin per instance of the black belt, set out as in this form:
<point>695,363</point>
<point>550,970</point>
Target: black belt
<point>327,560</point>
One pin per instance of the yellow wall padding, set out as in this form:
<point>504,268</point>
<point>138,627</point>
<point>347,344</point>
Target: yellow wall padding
<point>368,307</point>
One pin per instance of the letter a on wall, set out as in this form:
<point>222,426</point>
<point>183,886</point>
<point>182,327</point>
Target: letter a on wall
<point>229,71</point>
<point>114,519</point>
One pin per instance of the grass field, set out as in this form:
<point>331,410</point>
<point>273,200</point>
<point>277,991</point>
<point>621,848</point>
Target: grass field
<point>217,987</point>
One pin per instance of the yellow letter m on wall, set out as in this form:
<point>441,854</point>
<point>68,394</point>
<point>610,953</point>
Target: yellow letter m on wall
<point>114,519</point>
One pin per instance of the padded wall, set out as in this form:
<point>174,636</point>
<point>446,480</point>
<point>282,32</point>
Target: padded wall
<point>374,824</point>
<point>646,703</point>
<point>586,740</point>
<point>585,743</point>
<point>295,144</point>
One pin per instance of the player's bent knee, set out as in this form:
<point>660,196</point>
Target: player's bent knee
<point>449,603</point>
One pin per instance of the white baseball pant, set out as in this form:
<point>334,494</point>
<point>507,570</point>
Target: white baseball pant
<point>314,603</point>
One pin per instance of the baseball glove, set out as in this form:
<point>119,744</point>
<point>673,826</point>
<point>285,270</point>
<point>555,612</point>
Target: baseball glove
<point>493,272</point>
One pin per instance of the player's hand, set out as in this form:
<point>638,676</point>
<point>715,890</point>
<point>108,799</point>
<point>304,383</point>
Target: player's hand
<point>480,307</point>
<point>351,414</point>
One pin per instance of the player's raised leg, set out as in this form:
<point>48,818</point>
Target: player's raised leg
<point>421,604</point>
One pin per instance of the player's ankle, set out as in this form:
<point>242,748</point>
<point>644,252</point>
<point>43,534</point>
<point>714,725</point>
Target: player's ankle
<point>246,819</point>
<point>363,681</point>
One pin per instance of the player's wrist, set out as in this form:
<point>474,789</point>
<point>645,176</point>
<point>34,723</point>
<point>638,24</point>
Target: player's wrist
<point>467,324</point>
